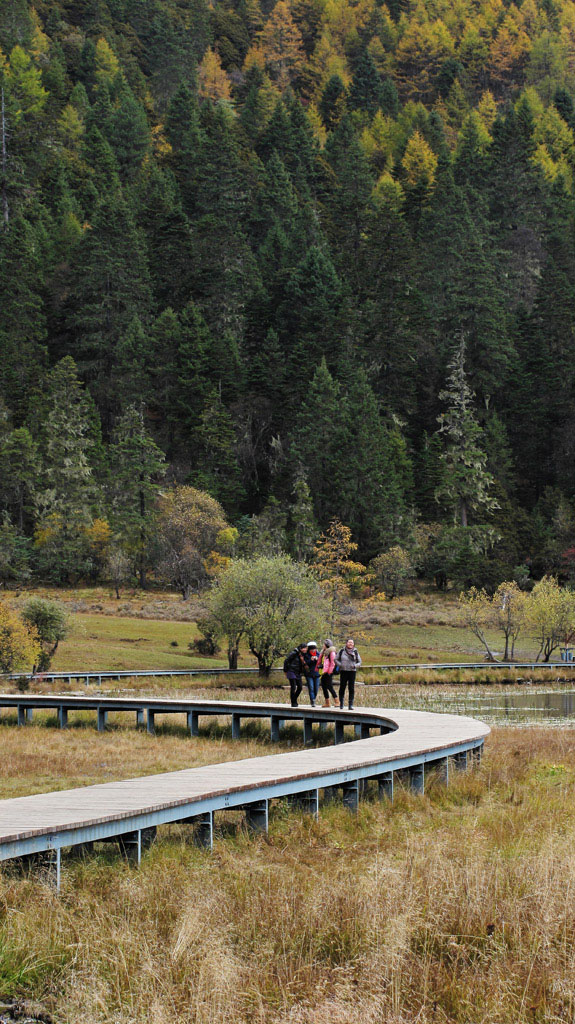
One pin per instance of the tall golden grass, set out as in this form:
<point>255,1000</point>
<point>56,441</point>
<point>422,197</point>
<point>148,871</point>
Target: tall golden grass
<point>455,907</point>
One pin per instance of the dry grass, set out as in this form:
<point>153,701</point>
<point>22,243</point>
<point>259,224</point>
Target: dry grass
<point>456,907</point>
<point>41,757</point>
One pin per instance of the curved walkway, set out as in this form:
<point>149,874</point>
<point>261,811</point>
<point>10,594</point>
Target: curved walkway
<point>128,812</point>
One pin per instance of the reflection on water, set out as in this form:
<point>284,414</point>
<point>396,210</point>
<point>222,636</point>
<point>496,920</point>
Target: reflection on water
<point>526,707</point>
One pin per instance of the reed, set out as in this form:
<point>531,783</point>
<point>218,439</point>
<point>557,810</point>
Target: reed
<point>454,907</point>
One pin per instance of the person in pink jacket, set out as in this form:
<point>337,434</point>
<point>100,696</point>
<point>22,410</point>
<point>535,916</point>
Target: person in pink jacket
<point>327,662</point>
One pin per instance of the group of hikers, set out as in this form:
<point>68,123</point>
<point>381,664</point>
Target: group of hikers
<point>321,667</point>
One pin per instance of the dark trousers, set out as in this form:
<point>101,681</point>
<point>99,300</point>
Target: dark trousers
<point>327,686</point>
<point>295,686</point>
<point>346,679</point>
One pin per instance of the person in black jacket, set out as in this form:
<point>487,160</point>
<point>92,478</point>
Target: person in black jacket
<point>294,666</point>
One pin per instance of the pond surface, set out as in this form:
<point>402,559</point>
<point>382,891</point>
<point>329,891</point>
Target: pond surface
<point>526,707</point>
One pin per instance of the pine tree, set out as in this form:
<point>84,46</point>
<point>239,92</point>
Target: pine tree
<point>19,466</point>
<point>303,527</point>
<point>67,492</point>
<point>349,203</point>
<point>467,484</point>
<point>218,469</point>
<point>111,289</point>
<point>137,464</point>
<point>333,102</point>
<point>23,322</point>
<point>366,91</point>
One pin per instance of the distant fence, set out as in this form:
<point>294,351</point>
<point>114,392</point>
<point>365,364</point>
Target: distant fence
<point>97,677</point>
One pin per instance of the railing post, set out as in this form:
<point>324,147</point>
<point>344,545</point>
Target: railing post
<point>102,719</point>
<point>193,723</point>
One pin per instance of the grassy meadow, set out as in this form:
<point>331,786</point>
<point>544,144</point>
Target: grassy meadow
<point>154,629</point>
<point>452,907</point>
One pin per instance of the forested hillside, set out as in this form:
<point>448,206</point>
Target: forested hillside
<point>261,248</point>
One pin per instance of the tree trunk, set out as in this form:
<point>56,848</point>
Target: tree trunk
<point>263,667</point>
<point>117,589</point>
<point>4,163</point>
<point>232,658</point>
<point>143,580</point>
<point>463,511</point>
<point>186,591</point>
<point>506,652</point>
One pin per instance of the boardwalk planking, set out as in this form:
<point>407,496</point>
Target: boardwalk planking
<point>417,735</point>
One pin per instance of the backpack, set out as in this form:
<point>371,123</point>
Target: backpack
<point>337,669</point>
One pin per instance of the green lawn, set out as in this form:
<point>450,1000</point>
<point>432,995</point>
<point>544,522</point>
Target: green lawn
<point>409,630</point>
<point>105,642</point>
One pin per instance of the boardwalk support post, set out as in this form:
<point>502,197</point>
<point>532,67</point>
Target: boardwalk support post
<point>364,732</point>
<point>417,778</point>
<point>351,795</point>
<point>139,718</point>
<point>130,844</point>
<point>442,767</point>
<point>204,832</point>
<point>151,722</point>
<point>193,723</point>
<point>24,715</point>
<point>307,801</point>
<point>235,727</point>
<point>339,733</point>
<point>460,761</point>
<point>63,717</point>
<point>307,730</point>
<point>102,719</point>
<point>385,786</point>
<point>257,816</point>
<point>274,728</point>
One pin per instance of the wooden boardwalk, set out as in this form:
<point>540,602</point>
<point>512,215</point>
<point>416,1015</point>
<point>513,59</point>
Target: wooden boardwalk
<point>123,811</point>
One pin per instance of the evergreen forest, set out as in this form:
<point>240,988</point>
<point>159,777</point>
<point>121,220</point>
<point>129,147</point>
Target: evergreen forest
<point>312,258</point>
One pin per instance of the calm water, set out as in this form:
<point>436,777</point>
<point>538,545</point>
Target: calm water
<point>526,707</point>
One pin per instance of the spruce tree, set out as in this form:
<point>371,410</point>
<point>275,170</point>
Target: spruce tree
<point>67,493</point>
<point>111,289</point>
<point>136,466</point>
<point>366,87</point>
<point>466,484</point>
